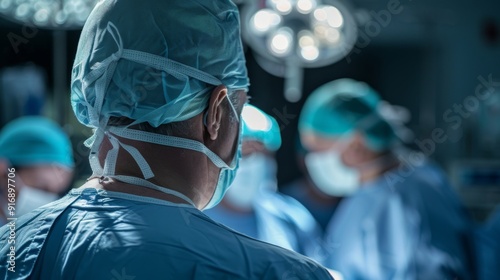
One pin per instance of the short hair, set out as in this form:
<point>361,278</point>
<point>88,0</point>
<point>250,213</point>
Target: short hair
<point>181,128</point>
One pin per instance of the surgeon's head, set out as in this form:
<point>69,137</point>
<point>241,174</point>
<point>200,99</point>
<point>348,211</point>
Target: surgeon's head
<point>257,169</point>
<point>341,128</point>
<point>180,72</point>
<point>40,155</point>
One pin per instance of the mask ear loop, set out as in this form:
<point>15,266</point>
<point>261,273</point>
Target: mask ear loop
<point>233,109</point>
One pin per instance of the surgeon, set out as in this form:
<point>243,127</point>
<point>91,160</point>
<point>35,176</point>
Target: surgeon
<point>321,205</point>
<point>163,84</point>
<point>36,155</point>
<point>397,220</point>
<point>252,205</point>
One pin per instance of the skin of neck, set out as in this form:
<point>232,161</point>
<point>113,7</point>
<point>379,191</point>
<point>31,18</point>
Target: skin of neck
<point>188,172</point>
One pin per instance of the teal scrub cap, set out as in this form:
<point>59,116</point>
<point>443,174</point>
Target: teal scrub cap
<point>337,108</point>
<point>260,127</point>
<point>155,61</point>
<point>33,141</point>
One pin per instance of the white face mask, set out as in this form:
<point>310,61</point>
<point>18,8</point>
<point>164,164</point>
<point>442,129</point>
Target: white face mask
<point>31,198</point>
<point>330,174</point>
<point>256,172</point>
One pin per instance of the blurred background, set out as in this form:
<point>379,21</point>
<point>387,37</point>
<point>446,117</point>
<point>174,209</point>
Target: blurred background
<point>439,59</point>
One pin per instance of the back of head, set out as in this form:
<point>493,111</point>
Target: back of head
<point>155,61</point>
<point>30,141</point>
<point>343,106</point>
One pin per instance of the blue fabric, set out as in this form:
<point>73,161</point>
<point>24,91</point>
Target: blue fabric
<point>322,212</point>
<point>410,228</point>
<point>243,222</point>
<point>35,140</point>
<point>279,220</point>
<point>94,234</point>
<point>203,35</point>
<point>488,248</point>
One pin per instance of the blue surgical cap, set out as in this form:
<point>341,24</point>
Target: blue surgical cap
<point>338,108</point>
<point>261,127</point>
<point>35,141</point>
<point>155,61</point>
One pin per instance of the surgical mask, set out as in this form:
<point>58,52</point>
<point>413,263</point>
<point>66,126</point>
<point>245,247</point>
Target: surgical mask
<point>227,175</point>
<point>256,173</point>
<point>330,174</point>
<point>31,198</point>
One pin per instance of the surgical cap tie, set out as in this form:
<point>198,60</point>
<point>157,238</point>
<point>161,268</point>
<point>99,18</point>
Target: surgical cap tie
<point>103,71</point>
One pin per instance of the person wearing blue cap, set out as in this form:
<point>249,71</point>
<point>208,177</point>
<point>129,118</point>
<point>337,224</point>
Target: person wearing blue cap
<point>395,221</point>
<point>36,154</point>
<point>162,83</point>
<point>252,205</point>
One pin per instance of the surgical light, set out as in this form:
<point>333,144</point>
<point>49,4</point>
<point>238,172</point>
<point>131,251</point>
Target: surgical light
<point>264,20</point>
<point>305,6</point>
<point>50,14</point>
<point>282,6</point>
<point>281,42</point>
<point>298,34</point>
<point>255,120</point>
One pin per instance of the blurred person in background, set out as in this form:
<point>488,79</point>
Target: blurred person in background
<point>396,221</point>
<point>252,205</point>
<point>40,153</point>
<point>321,205</point>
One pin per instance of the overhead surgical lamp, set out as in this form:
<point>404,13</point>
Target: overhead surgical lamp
<point>49,14</point>
<point>289,35</point>
<point>59,16</point>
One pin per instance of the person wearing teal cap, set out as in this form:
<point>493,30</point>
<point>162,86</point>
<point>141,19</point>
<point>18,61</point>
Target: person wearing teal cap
<point>162,84</point>
<point>390,224</point>
<point>252,205</point>
<point>37,155</point>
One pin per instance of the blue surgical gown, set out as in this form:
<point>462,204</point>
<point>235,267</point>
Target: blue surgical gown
<point>277,219</point>
<point>97,234</point>
<point>488,248</point>
<point>403,225</point>
<point>320,210</point>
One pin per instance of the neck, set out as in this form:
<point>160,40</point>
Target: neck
<point>173,169</point>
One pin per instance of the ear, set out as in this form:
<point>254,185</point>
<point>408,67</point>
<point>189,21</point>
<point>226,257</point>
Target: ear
<point>215,111</point>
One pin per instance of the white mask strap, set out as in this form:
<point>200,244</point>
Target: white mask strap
<point>171,141</point>
<point>111,157</point>
<point>103,71</point>
<point>141,182</point>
